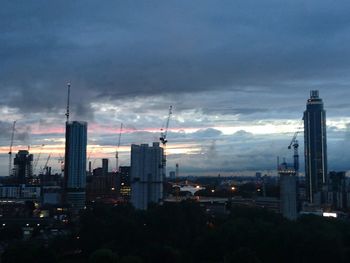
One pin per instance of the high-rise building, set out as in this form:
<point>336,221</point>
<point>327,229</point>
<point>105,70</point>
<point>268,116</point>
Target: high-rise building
<point>75,164</point>
<point>23,164</point>
<point>147,172</point>
<point>288,191</point>
<point>315,140</point>
<point>104,167</point>
<point>125,188</point>
<point>337,190</point>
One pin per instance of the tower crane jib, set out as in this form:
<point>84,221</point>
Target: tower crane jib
<point>164,132</point>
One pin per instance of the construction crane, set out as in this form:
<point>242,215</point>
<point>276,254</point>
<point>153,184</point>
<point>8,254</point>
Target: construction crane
<point>68,96</point>
<point>295,144</point>
<point>37,159</point>
<point>163,135</point>
<point>117,151</point>
<point>177,171</point>
<point>164,132</point>
<point>177,179</point>
<point>91,151</point>
<point>11,144</point>
<point>61,161</point>
<point>46,163</point>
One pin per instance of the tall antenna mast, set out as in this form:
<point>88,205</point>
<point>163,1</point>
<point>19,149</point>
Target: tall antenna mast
<point>68,95</point>
<point>11,144</point>
<point>117,151</point>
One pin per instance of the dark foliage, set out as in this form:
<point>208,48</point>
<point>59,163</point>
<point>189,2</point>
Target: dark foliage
<point>185,233</point>
<point>10,232</point>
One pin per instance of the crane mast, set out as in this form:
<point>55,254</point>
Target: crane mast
<point>117,151</point>
<point>38,158</point>
<point>163,136</point>
<point>68,97</point>
<point>61,161</point>
<point>11,144</point>
<point>295,144</point>
<point>46,163</point>
<point>164,132</point>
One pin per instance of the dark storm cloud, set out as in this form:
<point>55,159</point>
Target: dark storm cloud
<point>219,63</point>
<point>22,134</point>
<point>119,49</point>
<point>207,133</point>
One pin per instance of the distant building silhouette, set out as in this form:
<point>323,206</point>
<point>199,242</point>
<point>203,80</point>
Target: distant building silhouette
<point>125,188</point>
<point>315,148</point>
<point>23,166</point>
<point>337,194</point>
<point>75,164</point>
<point>102,184</point>
<point>147,172</point>
<point>104,167</point>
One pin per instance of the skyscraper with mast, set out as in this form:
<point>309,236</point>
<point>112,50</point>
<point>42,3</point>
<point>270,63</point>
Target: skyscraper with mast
<point>315,140</point>
<point>75,161</point>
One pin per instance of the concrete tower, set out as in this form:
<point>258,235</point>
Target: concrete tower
<point>146,175</point>
<point>288,191</point>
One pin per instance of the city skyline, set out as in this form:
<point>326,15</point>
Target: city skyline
<point>237,75</point>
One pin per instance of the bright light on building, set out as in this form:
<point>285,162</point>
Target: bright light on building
<point>197,186</point>
<point>330,215</point>
<point>213,191</point>
<point>233,188</point>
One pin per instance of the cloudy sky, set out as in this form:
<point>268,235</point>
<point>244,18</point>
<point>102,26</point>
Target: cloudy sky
<point>238,74</point>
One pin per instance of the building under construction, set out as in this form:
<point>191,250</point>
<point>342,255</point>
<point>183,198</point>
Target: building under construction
<point>23,166</point>
<point>288,191</point>
<point>147,173</point>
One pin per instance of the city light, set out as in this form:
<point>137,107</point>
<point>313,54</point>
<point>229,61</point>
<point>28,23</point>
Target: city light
<point>325,214</point>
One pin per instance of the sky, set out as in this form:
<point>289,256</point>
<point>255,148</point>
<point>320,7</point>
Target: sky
<point>237,73</point>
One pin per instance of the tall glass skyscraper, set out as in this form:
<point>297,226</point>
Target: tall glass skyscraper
<point>315,140</point>
<point>75,164</point>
